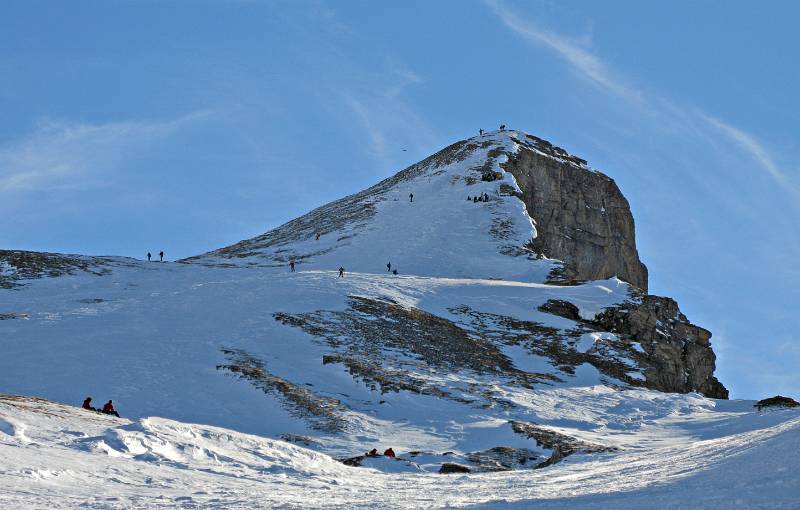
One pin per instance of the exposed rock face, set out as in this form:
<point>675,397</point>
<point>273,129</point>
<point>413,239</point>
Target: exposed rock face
<point>679,353</point>
<point>581,216</point>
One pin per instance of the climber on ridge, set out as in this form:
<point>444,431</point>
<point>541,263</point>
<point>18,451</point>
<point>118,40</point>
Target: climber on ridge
<point>341,272</point>
<point>411,197</point>
<point>389,267</point>
<point>389,453</point>
<point>148,256</point>
<point>291,265</point>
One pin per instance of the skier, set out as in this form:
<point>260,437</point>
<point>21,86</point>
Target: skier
<point>389,267</point>
<point>341,272</point>
<point>87,404</point>
<point>109,409</point>
<point>161,254</point>
<point>148,256</point>
<point>411,197</point>
<point>291,265</point>
<point>389,453</point>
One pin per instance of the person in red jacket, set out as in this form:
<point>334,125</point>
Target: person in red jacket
<point>389,453</point>
<point>109,409</point>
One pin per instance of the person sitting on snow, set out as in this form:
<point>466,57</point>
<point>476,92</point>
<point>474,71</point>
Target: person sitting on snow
<point>109,409</point>
<point>87,404</point>
<point>372,453</point>
<point>389,453</point>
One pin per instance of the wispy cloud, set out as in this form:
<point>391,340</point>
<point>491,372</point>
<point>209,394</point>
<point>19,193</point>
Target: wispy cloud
<point>686,119</point>
<point>62,155</point>
<point>582,60</point>
<point>747,143</point>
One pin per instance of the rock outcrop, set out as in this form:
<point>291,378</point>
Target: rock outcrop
<point>679,357</point>
<point>777,401</point>
<point>581,216</point>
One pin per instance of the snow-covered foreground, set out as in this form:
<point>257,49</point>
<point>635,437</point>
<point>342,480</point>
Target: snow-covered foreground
<point>56,456</point>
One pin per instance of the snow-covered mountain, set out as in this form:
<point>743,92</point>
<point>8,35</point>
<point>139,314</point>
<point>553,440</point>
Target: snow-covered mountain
<point>517,335</point>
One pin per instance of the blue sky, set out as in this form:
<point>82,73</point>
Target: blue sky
<point>189,125</point>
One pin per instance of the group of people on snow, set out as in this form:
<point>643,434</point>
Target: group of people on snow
<point>484,197</point>
<point>160,254</point>
<point>387,453</point>
<point>108,408</point>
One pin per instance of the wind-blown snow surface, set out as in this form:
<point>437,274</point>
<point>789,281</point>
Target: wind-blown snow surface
<point>54,456</point>
<point>151,336</point>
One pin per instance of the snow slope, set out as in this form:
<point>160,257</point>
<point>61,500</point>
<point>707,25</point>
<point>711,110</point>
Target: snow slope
<point>56,456</point>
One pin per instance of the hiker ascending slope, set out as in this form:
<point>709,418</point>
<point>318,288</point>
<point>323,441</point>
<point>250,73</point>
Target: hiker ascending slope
<point>291,265</point>
<point>87,404</point>
<point>389,453</point>
<point>410,197</point>
<point>109,409</point>
<point>161,254</point>
<point>341,272</point>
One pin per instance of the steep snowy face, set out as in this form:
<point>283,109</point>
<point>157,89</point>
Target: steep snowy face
<point>454,214</point>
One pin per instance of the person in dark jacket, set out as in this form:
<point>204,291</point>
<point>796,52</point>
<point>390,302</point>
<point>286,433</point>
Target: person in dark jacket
<point>389,267</point>
<point>389,453</point>
<point>341,272</point>
<point>291,265</point>
<point>372,453</point>
<point>410,197</point>
<point>87,404</point>
<point>148,256</point>
<point>161,254</point>
<point>109,409</point>
<point>502,127</point>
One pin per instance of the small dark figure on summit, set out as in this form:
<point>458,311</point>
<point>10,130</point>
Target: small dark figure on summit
<point>291,265</point>
<point>148,256</point>
<point>502,127</point>
<point>161,254</point>
<point>481,131</point>
<point>410,197</point>
<point>109,409</point>
<point>394,271</point>
<point>341,272</point>
<point>389,267</point>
